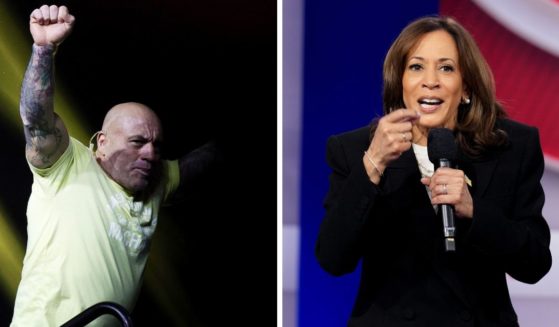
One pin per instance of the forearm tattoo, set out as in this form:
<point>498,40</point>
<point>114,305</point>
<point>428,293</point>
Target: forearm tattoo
<point>37,105</point>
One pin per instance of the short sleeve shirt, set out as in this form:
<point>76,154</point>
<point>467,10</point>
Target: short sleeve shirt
<point>88,239</point>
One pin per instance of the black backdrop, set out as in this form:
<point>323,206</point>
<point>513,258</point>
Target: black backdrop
<point>208,68</point>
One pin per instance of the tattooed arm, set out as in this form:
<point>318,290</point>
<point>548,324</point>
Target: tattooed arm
<point>45,134</point>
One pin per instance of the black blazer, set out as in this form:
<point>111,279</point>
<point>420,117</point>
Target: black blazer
<point>407,279</point>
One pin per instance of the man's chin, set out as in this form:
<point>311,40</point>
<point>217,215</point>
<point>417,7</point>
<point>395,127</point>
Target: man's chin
<point>138,186</point>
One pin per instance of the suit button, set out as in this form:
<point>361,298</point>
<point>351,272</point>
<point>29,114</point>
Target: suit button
<point>465,315</point>
<point>409,314</point>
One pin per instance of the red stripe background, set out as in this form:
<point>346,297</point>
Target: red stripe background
<point>526,77</point>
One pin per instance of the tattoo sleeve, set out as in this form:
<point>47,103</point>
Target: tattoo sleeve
<point>44,133</point>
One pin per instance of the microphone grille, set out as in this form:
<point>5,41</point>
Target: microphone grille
<point>441,145</point>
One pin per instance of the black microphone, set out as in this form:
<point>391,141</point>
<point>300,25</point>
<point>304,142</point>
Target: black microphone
<point>442,151</point>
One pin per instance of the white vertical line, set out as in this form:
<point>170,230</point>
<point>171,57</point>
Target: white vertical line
<point>279,149</point>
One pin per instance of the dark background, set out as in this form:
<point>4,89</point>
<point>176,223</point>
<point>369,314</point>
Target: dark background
<point>208,68</point>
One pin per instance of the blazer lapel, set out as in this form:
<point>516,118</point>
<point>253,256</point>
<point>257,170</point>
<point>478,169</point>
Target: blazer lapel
<point>399,172</point>
<point>409,201</point>
<point>402,187</point>
<point>479,171</point>
<point>483,173</point>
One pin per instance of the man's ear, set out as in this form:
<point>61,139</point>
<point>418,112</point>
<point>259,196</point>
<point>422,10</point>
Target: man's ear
<point>93,141</point>
<point>101,138</point>
<point>101,142</point>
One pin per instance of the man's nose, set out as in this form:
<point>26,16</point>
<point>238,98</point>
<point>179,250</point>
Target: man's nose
<point>149,152</point>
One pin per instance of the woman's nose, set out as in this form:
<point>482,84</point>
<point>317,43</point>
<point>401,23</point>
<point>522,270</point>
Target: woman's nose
<point>430,79</point>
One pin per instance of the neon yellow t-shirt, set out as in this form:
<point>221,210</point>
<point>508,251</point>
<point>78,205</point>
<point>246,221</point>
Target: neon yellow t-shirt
<point>88,240</point>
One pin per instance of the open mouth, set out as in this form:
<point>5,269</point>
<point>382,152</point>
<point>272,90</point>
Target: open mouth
<point>429,104</point>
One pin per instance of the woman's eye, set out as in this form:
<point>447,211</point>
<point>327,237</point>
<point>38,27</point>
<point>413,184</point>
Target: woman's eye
<point>415,67</point>
<point>447,68</point>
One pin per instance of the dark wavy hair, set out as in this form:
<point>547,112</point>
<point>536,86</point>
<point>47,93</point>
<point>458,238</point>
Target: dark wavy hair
<point>475,131</point>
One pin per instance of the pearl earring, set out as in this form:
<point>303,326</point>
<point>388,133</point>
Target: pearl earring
<point>467,100</point>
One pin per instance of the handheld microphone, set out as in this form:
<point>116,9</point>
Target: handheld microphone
<point>442,151</point>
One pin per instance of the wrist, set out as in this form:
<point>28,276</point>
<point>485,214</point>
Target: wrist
<point>375,172</point>
<point>45,49</point>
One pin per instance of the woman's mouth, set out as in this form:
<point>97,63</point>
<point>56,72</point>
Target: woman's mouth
<point>428,105</point>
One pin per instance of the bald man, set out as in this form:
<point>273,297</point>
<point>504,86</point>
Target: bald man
<point>128,146</point>
<point>91,214</point>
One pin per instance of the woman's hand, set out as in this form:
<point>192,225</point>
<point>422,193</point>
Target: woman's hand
<point>392,137</point>
<point>448,186</point>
